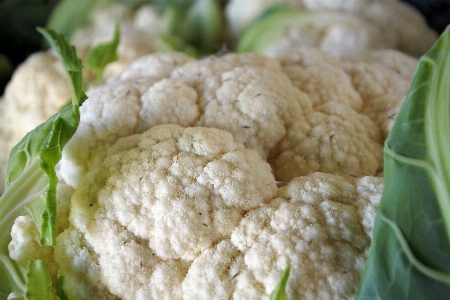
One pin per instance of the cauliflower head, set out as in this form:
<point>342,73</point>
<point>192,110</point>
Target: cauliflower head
<point>344,28</point>
<point>191,179</point>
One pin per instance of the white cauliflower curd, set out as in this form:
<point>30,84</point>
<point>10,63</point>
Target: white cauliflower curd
<point>159,199</point>
<point>314,226</point>
<point>205,179</point>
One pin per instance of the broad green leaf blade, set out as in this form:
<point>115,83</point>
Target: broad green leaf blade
<point>279,293</point>
<point>31,178</point>
<point>39,283</point>
<point>103,54</point>
<point>410,251</point>
<point>68,15</point>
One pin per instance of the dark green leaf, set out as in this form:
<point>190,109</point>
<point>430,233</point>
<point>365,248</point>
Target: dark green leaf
<point>60,290</point>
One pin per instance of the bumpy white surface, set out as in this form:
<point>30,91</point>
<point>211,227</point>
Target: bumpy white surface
<point>315,227</point>
<point>158,200</point>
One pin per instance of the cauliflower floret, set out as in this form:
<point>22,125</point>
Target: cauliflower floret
<point>113,111</point>
<point>78,263</point>
<point>156,66</point>
<point>382,88</point>
<point>333,139</point>
<point>369,191</point>
<point>247,95</point>
<point>373,83</point>
<point>256,114</point>
<point>306,57</point>
<point>316,228</point>
<point>335,86</point>
<point>220,273</point>
<point>25,245</point>
<point>157,201</point>
<point>197,72</point>
<point>396,61</point>
<point>404,23</point>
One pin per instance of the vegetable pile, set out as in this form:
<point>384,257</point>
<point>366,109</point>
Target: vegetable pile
<point>231,176</point>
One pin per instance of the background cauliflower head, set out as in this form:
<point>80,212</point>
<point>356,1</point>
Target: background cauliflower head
<point>342,27</point>
<point>136,38</point>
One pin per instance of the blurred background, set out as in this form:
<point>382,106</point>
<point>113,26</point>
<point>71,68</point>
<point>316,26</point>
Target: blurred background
<point>437,12</point>
<point>19,19</point>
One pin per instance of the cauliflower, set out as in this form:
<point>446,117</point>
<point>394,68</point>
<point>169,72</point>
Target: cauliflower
<point>205,178</point>
<point>343,28</point>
